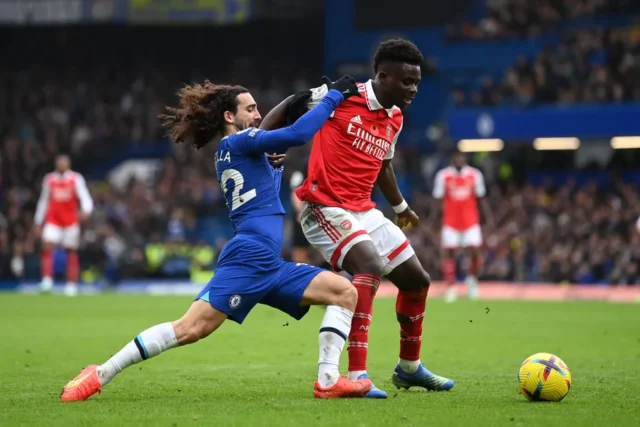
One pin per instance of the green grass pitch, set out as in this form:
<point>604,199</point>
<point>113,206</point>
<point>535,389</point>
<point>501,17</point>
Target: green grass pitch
<point>262,373</point>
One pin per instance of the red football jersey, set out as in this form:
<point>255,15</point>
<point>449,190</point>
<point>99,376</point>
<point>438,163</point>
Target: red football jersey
<point>460,190</point>
<point>60,197</point>
<point>348,151</point>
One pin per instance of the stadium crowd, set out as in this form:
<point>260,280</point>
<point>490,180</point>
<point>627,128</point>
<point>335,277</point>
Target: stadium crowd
<point>586,66</point>
<point>540,234</point>
<point>550,234</point>
<point>527,18</point>
<point>109,104</point>
<point>93,116</point>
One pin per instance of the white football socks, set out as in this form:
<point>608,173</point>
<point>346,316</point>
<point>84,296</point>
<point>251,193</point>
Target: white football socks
<point>334,330</point>
<point>409,366</point>
<point>148,344</point>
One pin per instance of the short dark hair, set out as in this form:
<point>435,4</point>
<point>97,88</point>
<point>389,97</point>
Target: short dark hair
<point>199,116</point>
<point>397,50</point>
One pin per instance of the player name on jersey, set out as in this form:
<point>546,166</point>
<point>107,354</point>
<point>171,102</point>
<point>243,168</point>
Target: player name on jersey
<point>223,156</point>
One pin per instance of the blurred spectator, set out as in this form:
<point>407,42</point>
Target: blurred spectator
<point>528,18</point>
<point>558,235</point>
<point>155,226</point>
<point>151,228</point>
<point>94,114</point>
<point>587,66</point>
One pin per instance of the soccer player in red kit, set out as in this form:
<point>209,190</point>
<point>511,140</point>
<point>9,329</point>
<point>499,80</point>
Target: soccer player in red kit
<point>350,153</point>
<point>62,191</point>
<point>460,186</point>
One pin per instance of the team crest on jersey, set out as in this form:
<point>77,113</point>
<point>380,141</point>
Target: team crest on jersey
<point>389,130</point>
<point>235,301</point>
<point>346,225</point>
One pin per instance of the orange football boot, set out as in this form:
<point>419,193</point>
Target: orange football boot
<point>343,388</point>
<point>82,387</point>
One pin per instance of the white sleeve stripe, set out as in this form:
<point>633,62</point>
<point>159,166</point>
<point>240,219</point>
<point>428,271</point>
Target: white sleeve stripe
<point>43,202</point>
<point>86,202</point>
<point>438,186</point>
<point>481,190</point>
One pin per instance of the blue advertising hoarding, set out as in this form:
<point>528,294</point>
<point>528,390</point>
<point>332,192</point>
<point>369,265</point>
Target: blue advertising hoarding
<point>581,121</point>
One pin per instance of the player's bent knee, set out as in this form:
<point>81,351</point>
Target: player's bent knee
<point>426,279</point>
<point>415,282</point>
<point>419,278</point>
<point>373,266</point>
<point>341,293</point>
<point>347,297</point>
<point>410,276</point>
<point>330,289</point>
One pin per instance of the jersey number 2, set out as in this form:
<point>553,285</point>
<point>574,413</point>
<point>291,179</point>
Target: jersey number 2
<point>237,199</point>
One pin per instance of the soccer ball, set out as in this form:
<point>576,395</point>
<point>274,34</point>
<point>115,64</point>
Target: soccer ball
<point>544,377</point>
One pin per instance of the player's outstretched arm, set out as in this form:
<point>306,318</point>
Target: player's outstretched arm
<point>294,107</point>
<point>278,141</point>
<point>303,130</point>
<point>277,117</point>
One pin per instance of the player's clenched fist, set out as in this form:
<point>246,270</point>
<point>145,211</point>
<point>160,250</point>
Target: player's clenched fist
<point>408,219</point>
<point>346,85</point>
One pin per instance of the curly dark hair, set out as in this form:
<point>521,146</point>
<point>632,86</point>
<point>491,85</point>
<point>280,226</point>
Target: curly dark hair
<point>199,116</point>
<point>397,50</point>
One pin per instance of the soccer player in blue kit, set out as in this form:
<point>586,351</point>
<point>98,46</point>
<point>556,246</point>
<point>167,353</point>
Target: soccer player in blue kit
<point>250,270</point>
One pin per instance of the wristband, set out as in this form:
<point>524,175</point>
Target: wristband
<point>401,207</point>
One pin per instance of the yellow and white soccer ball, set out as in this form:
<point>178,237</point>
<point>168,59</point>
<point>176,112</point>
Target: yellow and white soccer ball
<point>544,377</point>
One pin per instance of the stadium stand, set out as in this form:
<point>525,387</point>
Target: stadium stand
<point>503,19</point>
<point>100,105</point>
<point>586,66</point>
<point>102,110</point>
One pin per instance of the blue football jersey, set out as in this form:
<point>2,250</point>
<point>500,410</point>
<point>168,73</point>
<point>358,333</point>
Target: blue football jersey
<point>251,186</point>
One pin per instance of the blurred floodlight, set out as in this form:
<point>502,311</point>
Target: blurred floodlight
<point>625,142</point>
<point>556,143</point>
<point>480,145</point>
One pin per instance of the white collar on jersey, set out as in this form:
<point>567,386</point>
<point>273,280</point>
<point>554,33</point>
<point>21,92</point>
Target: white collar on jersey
<point>63,174</point>
<point>372,101</point>
<point>462,171</point>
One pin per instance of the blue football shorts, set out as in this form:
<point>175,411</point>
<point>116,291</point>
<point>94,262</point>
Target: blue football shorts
<point>248,273</point>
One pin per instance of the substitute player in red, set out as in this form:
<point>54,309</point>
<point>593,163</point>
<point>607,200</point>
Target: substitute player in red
<point>63,192</point>
<point>460,186</point>
<point>350,153</point>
